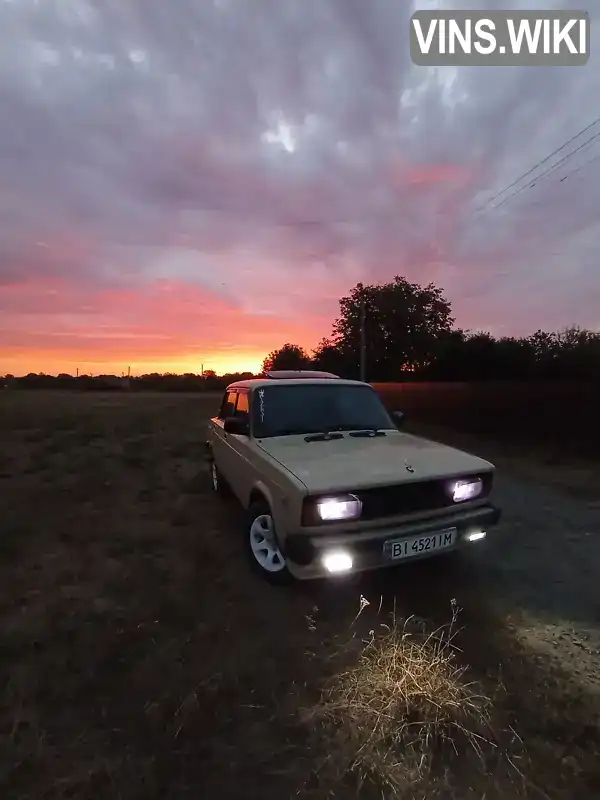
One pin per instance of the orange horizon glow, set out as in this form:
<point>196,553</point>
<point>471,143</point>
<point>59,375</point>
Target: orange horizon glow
<point>57,326</point>
<point>222,365</point>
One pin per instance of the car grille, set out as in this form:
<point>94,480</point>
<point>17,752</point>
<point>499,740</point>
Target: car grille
<point>411,498</point>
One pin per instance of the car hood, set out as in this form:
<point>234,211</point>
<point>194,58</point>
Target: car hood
<point>354,463</point>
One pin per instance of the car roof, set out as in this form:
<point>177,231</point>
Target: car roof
<point>282,374</point>
<point>255,383</point>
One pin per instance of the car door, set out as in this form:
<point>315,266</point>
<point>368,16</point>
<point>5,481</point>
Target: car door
<point>220,447</point>
<point>240,473</point>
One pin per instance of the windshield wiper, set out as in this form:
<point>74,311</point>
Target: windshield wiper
<point>367,432</point>
<point>310,435</point>
<point>324,436</point>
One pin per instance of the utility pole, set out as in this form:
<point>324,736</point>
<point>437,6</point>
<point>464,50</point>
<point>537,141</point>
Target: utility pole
<point>363,337</point>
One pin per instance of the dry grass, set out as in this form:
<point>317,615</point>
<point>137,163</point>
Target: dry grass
<point>142,659</point>
<point>404,718</point>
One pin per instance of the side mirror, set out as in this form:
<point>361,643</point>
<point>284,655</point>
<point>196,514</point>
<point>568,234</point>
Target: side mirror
<point>399,418</point>
<point>237,426</point>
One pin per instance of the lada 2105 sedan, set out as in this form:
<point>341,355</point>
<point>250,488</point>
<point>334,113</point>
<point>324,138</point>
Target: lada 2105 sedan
<point>332,484</point>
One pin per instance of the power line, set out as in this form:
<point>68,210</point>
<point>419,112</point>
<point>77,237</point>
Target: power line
<point>539,164</point>
<point>550,169</point>
<point>323,223</point>
<point>360,217</point>
<point>587,145</point>
<point>581,166</point>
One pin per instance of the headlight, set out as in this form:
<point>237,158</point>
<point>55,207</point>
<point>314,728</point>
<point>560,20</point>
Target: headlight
<point>330,509</point>
<point>467,489</point>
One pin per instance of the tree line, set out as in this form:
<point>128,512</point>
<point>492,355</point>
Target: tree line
<point>153,382</point>
<point>409,335</point>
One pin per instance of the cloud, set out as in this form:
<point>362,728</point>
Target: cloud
<point>269,155</point>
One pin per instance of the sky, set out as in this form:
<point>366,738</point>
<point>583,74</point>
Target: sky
<point>198,182</point>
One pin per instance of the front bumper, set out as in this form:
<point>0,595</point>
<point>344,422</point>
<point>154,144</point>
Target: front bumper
<point>304,552</point>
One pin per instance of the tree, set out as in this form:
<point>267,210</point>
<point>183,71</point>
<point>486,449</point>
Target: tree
<point>290,356</point>
<point>404,326</point>
<point>514,359</point>
<point>578,354</point>
<point>449,361</point>
<point>329,357</point>
<point>545,347</point>
<point>479,356</point>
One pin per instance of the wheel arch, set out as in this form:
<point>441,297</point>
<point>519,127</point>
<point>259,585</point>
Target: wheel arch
<point>260,493</point>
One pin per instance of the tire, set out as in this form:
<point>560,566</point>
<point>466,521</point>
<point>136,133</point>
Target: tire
<point>268,560</point>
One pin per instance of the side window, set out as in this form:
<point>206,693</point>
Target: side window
<point>243,407</point>
<point>228,405</point>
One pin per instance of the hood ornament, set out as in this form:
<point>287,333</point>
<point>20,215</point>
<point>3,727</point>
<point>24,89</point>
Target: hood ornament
<point>409,467</point>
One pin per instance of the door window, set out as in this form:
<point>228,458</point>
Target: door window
<point>228,405</point>
<point>243,406</point>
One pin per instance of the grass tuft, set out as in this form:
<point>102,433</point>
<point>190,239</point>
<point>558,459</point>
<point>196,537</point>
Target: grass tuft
<point>404,717</point>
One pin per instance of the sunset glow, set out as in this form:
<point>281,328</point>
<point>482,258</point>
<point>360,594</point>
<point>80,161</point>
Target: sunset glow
<point>164,206</point>
<point>162,327</point>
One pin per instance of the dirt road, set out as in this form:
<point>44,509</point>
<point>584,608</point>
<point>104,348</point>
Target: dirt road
<point>145,661</point>
<point>546,564</point>
<point>542,564</point>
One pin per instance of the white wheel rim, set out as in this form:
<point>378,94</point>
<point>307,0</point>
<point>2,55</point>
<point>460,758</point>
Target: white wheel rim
<point>215,476</point>
<point>264,545</point>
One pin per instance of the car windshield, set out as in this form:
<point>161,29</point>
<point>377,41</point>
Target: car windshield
<point>312,408</point>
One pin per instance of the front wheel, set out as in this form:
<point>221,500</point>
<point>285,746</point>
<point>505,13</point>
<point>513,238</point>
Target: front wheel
<point>263,547</point>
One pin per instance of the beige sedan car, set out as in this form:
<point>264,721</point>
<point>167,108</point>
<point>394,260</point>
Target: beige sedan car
<point>331,483</point>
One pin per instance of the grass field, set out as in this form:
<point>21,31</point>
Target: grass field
<point>144,660</point>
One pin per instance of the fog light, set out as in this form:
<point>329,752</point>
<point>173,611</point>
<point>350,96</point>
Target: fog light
<point>475,536</point>
<point>338,561</point>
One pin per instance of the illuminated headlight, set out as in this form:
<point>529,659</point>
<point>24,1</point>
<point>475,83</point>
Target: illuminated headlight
<point>466,490</point>
<point>331,509</point>
<point>337,561</point>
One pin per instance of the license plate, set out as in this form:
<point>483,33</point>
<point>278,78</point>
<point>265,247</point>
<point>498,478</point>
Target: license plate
<point>420,545</point>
